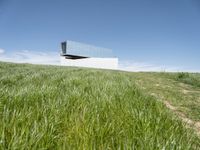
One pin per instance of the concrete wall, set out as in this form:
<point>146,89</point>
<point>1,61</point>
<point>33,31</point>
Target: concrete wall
<point>104,63</point>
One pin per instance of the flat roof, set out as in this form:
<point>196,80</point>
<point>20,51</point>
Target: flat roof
<point>86,50</point>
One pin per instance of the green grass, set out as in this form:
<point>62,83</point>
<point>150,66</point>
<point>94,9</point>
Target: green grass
<point>192,79</point>
<point>47,107</point>
<point>173,87</point>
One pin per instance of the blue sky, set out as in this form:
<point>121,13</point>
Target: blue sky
<point>144,34</point>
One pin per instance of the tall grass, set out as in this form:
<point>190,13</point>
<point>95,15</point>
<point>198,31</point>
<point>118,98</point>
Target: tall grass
<point>45,107</point>
<point>192,79</point>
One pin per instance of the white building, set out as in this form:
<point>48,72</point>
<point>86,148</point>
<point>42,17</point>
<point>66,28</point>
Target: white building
<point>84,55</point>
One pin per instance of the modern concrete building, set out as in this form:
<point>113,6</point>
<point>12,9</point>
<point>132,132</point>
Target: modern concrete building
<point>84,55</point>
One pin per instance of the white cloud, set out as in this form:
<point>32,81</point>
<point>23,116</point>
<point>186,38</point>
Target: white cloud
<point>1,51</point>
<point>141,66</point>
<point>53,58</point>
<point>26,56</point>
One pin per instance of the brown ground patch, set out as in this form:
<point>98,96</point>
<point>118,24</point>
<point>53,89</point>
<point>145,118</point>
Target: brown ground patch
<point>185,91</point>
<point>194,124</point>
<point>190,123</point>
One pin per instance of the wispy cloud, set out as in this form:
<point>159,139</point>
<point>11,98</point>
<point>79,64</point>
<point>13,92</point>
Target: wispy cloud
<point>26,56</point>
<point>52,58</point>
<point>1,51</point>
<point>143,66</point>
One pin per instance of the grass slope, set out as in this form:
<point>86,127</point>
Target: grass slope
<point>180,89</point>
<point>47,107</point>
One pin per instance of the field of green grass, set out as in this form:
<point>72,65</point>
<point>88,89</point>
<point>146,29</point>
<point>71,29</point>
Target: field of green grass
<point>180,89</point>
<point>52,107</point>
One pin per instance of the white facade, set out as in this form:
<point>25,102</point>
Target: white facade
<point>93,62</point>
<point>84,55</point>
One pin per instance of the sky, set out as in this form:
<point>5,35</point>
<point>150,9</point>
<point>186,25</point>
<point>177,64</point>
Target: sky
<point>146,35</point>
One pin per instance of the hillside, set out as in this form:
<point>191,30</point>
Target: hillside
<point>49,107</point>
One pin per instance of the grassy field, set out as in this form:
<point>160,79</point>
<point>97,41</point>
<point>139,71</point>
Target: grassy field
<point>180,89</point>
<point>48,107</point>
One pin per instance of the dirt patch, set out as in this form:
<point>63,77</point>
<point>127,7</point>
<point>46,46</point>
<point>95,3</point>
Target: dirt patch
<point>190,123</point>
<point>185,91</point>
<point>183,85</point>
<point>153,94</point>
